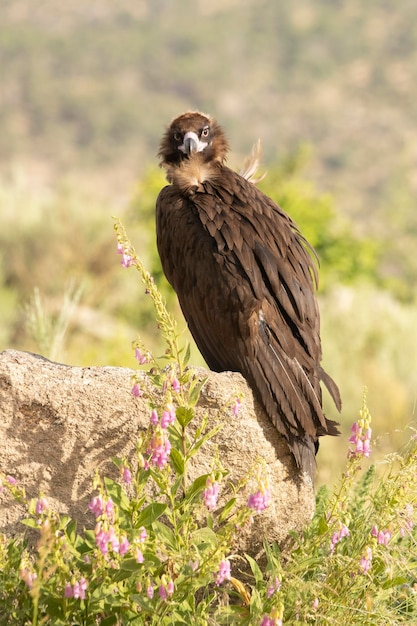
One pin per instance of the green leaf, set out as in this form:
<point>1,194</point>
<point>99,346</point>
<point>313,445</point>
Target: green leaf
<point>398,581</point>
<point>117,494</point>
<point>177,460</point>
<point>197,444</point>
<point>256,571</point>
<point>323,525</point>
<point>227,509</point>
<point>30,522</point>
<point>109,621</point>
<point>204,538</point>
<point>71,531</point>
<point>150,513</point>
<point>184,415</point>
<point>130,565</point>
<point>196,488</point>
<point>165,534</point>
<point>195,390</point>
<point>187,353</point>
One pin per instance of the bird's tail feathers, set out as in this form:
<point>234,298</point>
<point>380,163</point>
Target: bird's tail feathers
<point>331,387</point>
<point>304,451</point>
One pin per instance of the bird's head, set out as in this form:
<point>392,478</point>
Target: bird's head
<point>193,135</point>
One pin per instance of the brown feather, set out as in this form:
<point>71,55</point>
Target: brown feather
<point>245,279</point>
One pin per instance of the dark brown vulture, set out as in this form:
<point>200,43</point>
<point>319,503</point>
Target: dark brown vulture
<point>245,279</point>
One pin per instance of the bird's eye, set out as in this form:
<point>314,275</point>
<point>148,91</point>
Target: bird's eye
<point>205,131</point>
<point>177,136</point>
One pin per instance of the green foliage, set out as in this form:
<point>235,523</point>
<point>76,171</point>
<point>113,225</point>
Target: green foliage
<point>344,256</point>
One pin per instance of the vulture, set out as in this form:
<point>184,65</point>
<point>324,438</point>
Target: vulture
<point>245,278</point>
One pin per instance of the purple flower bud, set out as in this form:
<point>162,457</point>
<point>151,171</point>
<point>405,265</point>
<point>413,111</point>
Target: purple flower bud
<point>68,593</point>
<point>139,556</point>
<point>236,407</point>
<point>41,506</point>
<point>127,475</point>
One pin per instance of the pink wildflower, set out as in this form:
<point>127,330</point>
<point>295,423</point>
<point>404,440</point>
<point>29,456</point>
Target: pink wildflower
<point>102,539</point>
<point>136,390</point>
<point>27,577</point>
<point>110,509</point>
<point>315,604</point>
<point>143,534</point>
<point>259,501</point>
<point>211,494</point>
<point>41,506</point>
<point>141,357</point>
<point>11,480</point>
<point>170,588</point>
<point>127,475</point>
<point>275,586</point>
<point>366,560</point>
<point>113,539</point>
<point>127,260</point>
<point>96,506</point>
<point>383,536</point>
<point>68,593</point>
<point>361,439</point>
<point>176,385</point>
<point>150,592</point>
<point>79,589</point>
<point>154,418</point>
<point>162,592</point>
<point>224,572</point>
<point>124,545</point>
<point>338,535</point>
<point>270,621</point>
<point>139,556</point>
<point>159,449</point>
<point>168,416</point>
<point>236,407</point>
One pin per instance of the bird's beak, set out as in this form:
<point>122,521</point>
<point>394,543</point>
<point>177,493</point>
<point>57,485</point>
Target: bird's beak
<point>192,143</point>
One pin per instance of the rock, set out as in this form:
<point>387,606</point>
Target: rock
<point>59,423</point>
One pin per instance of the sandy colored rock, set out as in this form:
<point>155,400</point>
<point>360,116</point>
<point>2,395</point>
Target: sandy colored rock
<point>59,423</point>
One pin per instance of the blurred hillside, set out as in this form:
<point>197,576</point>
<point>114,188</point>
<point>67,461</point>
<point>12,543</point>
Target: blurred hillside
<point>329,88</point>
<point>92,86</point>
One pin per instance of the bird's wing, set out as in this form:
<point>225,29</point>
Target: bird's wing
<point>245,282</point>
<point>279,320</point>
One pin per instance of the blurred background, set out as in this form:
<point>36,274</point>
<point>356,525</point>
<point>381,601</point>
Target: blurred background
<point>330,88</point>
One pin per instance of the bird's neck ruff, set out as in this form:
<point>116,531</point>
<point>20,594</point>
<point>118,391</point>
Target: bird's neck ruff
<point>190,175</point>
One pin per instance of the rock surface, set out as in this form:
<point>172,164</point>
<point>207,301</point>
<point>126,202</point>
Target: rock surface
<point>59,423</point>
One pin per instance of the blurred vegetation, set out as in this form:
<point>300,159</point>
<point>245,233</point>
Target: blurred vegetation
<point>330,90</point>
